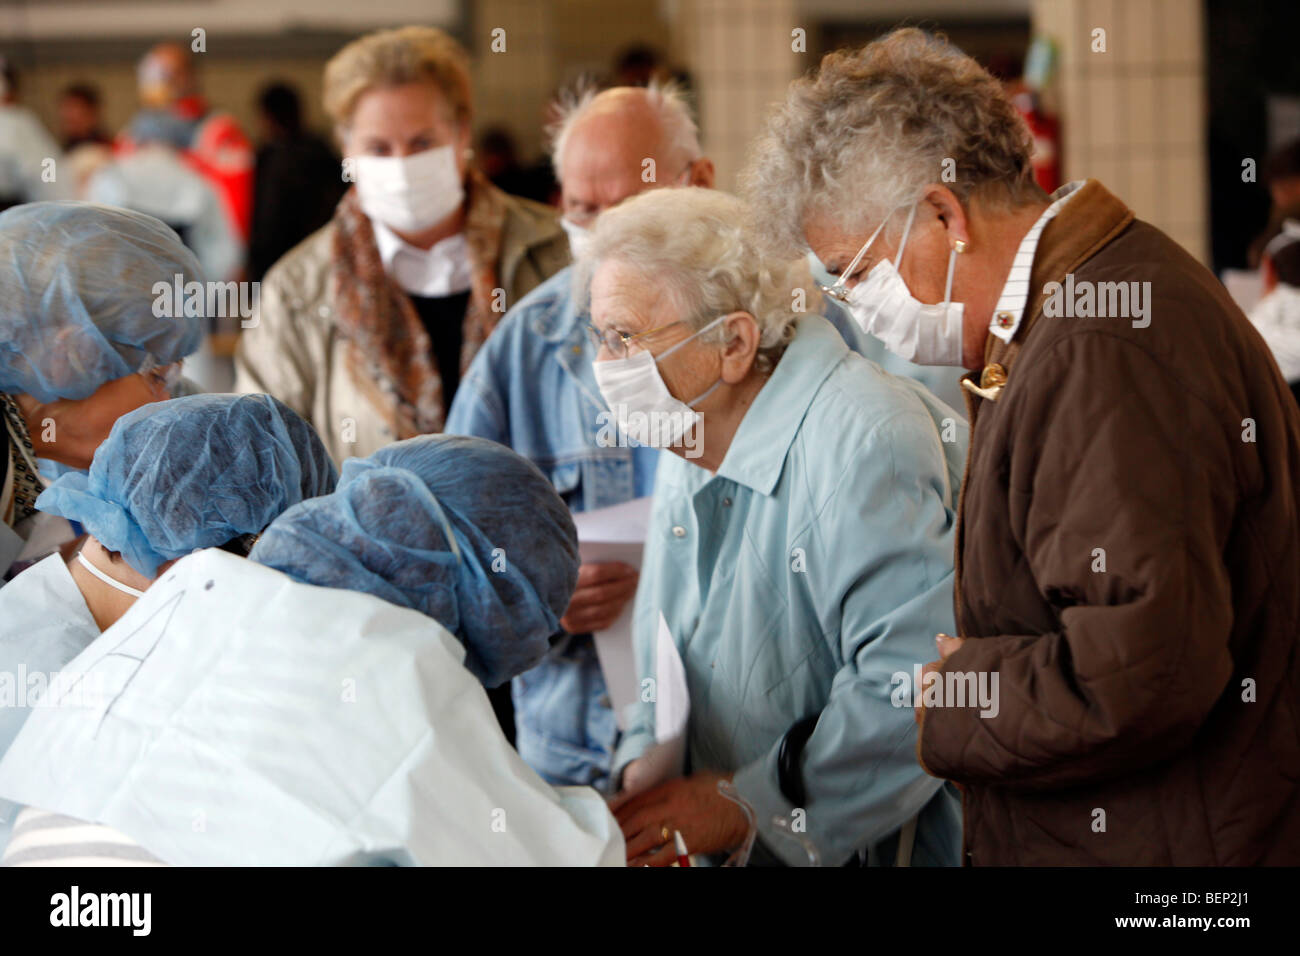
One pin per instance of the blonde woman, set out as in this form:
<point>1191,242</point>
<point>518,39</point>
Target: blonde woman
<point>364,328</point>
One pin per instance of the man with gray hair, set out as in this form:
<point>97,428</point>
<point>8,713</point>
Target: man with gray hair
<point>531,387</point>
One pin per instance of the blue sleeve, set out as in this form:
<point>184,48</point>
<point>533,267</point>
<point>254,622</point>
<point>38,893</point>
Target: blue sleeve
<point>481,406</point>
<point>881,562</point>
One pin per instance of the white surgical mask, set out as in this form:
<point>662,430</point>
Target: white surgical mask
<point>645,410</point>
<point>579,237</point>
<point>410,193</point>
<point>883,306</point>
<point>111,582</point>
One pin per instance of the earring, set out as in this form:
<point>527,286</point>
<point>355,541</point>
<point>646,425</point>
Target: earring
<point>959,246</point>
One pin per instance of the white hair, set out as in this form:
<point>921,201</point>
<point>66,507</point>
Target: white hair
<point>871,128</point>
<point>678,132</point>
<point>694,244</point>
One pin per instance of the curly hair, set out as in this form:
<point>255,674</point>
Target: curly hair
<point>866,132</point>
<point>695,243</point>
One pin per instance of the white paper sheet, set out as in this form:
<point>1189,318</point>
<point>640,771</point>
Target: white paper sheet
<point>616,533</point>
<point>667,757</point>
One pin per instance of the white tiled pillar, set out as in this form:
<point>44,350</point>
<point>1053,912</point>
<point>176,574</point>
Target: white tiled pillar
<point>1134,115</point>
<point>512,87</point>
<point>741,54</point>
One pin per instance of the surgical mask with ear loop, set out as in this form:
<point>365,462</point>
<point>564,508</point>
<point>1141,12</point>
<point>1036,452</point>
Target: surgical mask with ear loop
<point>111,582</point>
<point>644,409</point>
<point>883,306</point>
<point>410,193</point>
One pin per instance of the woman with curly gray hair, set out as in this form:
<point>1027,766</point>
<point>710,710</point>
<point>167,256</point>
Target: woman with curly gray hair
<point>799,552</point>
<point>1128,550</point>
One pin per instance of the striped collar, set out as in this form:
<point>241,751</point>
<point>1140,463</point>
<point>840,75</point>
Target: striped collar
<point>1015,293</point>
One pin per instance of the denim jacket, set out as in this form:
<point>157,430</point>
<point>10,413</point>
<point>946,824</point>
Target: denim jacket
<point>531,387</point>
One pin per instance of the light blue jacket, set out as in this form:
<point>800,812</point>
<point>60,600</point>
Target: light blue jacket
<point>815,566</point>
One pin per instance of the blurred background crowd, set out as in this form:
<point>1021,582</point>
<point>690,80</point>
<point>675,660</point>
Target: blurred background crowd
<point>1187,108</point>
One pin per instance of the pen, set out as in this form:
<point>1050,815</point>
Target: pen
<point>683,858</point>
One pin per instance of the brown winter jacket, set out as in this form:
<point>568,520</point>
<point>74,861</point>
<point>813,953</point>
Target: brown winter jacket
<point>1128,565</point>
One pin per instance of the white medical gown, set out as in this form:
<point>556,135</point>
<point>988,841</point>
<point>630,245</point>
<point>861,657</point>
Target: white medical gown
<point>237,717</point>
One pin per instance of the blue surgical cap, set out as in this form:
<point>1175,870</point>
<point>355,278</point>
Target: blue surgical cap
<point>77,298</point>
<point>194,472</point>
<point>461,529</point>
<point>161,126</point>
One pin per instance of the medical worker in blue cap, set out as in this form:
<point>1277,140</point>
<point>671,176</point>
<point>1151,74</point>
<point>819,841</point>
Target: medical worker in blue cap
<point>326,697</point>
<point>206,471</point>
<point>82,341</point>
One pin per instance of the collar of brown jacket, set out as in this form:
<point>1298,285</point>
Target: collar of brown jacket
<point>1082,227</point>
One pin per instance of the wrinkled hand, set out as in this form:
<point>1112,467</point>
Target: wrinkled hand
<point>708,821</point>
<point>603,590</point>
<point>948,646</point>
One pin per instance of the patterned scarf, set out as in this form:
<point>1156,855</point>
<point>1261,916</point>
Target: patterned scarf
<point>389,356</point>
<point>27,484</point>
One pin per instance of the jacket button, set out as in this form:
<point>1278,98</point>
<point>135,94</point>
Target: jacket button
<point>679,531</point>
<point>726,502</point>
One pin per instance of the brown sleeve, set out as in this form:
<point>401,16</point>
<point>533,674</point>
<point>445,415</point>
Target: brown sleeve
<point>1111,452</point>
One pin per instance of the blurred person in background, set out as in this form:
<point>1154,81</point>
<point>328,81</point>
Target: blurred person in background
<point>80,119</point>
<point>1282,176</point>
<point>81,344</point>
<point>154,178</point>
<point>87,148</point>
<point>28,154</point>
<point>365,327</point>
<point>531,387</point>
<point>210,140</point>
<point>298,182</point>
<point>1277,314</point>
<point>498,157</point>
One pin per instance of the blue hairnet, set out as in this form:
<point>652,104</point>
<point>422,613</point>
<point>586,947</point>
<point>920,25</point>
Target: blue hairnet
<point>77,297</point>
<point>161,126</point>
<point>461,529</point>
<point>190,473</point>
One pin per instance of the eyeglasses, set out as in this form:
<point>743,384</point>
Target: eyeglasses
<point>839,291</point>
<point>161,378</point>
<point>616,342</point>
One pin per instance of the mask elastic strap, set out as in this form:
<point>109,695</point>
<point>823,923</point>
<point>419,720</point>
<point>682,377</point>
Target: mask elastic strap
<point>705,394</point>
<point>952,270</point>
<point>712,388</point>
<point>111,582</point>
<point>848,270</point>
<point>663,355</point>
<point>898,261</point>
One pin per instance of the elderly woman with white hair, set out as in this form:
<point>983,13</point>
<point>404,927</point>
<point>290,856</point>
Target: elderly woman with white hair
<point>1128,552</point>
<point>800,549</point>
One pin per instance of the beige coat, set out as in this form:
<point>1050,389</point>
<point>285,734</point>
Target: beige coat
<point>293,350</point>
